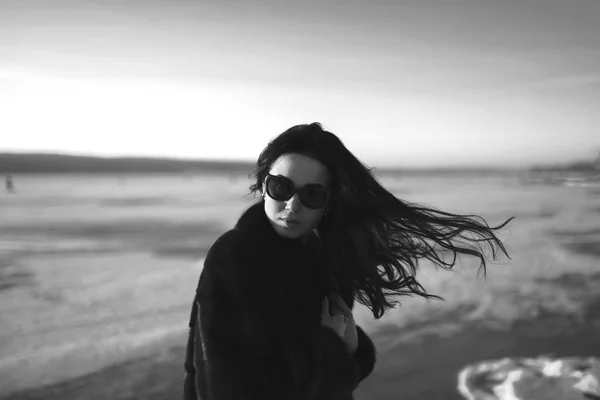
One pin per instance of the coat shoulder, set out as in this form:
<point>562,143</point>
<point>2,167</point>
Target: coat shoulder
<point>234,253</point>
<point>234,244</point>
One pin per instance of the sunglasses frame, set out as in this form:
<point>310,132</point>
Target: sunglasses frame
<point>295,190</point>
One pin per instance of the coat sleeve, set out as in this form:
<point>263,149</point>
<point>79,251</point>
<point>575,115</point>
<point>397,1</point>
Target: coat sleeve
<point>365,354</point>
<point>236,357</point>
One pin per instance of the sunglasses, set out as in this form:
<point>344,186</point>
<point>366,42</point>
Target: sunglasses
<point>313,195</point>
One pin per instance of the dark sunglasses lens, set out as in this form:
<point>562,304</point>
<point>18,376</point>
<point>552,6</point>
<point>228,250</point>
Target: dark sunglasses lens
<point>279,189</point>
<point>313,196</point>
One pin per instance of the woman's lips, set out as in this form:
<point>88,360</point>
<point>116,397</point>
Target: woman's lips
<point>289,222</point>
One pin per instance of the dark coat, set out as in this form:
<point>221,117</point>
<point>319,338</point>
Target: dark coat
<point>255,326</point>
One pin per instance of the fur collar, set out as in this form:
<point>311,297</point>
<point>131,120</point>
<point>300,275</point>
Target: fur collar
<point>254,221</point>
<point>255,225</point>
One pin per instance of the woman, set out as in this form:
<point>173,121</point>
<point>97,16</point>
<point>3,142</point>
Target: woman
<point>272,316</point>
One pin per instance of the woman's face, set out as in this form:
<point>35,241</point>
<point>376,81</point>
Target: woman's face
<point>291,219</point>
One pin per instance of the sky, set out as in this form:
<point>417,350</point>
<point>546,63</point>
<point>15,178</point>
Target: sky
<point>416,83</point>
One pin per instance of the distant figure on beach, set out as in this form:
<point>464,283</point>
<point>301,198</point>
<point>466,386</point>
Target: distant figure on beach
<point>10,185</point>
<point>272,313</point>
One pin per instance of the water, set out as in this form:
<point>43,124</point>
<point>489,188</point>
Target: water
<point>95,270</point>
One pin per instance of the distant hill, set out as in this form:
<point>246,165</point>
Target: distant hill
<point>580,166</point>
<point>41,163</point>
<point>62,163</point>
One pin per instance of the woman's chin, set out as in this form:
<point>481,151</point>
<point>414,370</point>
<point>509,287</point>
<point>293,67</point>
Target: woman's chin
<point>286,233</point>
<point>289,233</point>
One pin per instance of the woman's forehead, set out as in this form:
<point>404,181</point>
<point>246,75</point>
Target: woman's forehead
<point>300,169</point>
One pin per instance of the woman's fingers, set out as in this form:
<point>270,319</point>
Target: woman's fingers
<point>338,318</point>
<point>342,306</point>
<point>325,306</point>
<point>340,324</point>
<point>340,309</point>
<point>337,321</point>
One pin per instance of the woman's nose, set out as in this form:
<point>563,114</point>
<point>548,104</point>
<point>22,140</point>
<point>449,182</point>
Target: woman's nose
<point>293,204</point>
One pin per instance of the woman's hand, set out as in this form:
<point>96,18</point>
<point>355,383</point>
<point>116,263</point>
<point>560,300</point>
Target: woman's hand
<point>348,333</point>
<point>335,321</point>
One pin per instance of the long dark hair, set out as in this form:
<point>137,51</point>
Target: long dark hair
<point>376,237</point>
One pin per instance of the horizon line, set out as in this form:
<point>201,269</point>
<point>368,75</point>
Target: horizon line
<point>385,167</point>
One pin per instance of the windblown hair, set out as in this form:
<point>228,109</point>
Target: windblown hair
<point>376,237</point>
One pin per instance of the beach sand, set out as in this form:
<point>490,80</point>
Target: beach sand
<point>139,355</point>
<point>424,367</point>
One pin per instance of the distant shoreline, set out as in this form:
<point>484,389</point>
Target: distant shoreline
<point>13,163</point>
<point>47,163</point>
<point>43,163</point>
